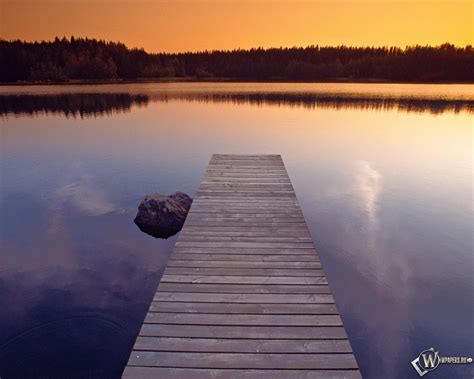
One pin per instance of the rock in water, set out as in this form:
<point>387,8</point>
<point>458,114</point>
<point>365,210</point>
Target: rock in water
<point>163,216</point>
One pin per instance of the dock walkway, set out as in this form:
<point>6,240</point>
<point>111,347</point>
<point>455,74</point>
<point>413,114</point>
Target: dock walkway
<point>244,294</point>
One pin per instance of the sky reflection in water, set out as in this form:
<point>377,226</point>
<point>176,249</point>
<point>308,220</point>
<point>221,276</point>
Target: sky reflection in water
<point>386,191</point>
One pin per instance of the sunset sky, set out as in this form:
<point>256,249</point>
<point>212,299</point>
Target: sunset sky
<point>174,26</point>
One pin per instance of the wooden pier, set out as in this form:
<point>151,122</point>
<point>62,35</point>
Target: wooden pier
<point>244,294</point>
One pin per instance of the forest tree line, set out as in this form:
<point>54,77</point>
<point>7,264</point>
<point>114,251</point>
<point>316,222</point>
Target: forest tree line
<point>90,59</point>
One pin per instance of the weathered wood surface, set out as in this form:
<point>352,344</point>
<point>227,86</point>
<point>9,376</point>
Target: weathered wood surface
<point>244,294</point>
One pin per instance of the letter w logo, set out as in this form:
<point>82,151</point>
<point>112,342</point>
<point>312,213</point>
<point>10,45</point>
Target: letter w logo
<point>430,360</point>
<point>427,361</point>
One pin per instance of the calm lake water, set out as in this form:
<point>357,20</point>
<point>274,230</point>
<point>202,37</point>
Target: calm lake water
<point>383,173</point>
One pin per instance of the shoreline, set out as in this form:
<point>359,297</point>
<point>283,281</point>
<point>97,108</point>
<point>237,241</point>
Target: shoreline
<point>218,80</point>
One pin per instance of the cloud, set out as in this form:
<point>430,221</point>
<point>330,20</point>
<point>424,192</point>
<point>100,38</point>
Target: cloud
<point>85,198</point>
<point>368,186</point>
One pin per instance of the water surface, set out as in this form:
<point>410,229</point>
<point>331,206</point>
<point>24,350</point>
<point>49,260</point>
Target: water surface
<point>383,174</point>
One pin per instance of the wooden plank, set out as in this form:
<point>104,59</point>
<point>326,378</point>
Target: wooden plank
<point>249,251</point>
<point>198,209</point>
<point>245,166</point>
<point>246,183</point>
<point>249,203</point>
<point>240,177</point>
<point>256,160</point>
<point>265,212</point>
<point>231,189</point>
<point>246,162</point>
<point>241,345</point>
<point>243,308</point>
<point>242,320</point>
<point>245,257</point>
<point>240,212</point>
<point>242,236</point>
<point>246,218</point>
<point>257,225</point>
<point>231,224</point>
<point>242,271</point>
<point>280,185</point>
<point>244,180</point>
<point>270,189</point>
<point>243,360</point>
<point>246,202</point>
<point>245,171</point>
<point>263,280</point>
<point>219,238</point>
<point>243,288</point>
<point>244,332</point>
<point>243,294</point>
<point>255,174</point>
<point>281,206</point>
<point>229,165</point>
<point>247,226</point>
<point>247,194</point>
<point>238,264</point>
<point>287,229</point>
<point>139,372</point>
<point>261,245</point>
<point>245,198</point>
<point>279,235</point>
<point>236,215</point>
<point>244,298</point>
<point>246,156</point>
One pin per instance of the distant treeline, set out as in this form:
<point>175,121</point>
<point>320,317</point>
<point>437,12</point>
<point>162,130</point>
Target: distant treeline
<point>91,59</point>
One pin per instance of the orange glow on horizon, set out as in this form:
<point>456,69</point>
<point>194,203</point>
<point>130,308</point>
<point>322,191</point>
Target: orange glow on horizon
<point>207,25</point>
